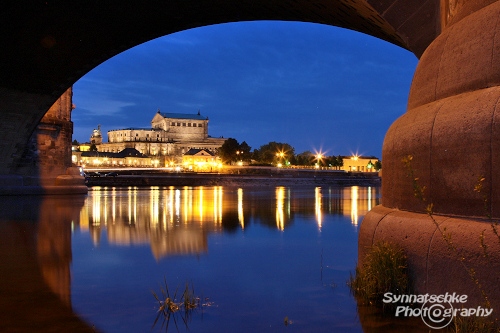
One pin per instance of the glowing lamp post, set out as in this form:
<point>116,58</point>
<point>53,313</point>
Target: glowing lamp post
<point>319,157</point>
<point>280,155</point>
<point>240,161</point>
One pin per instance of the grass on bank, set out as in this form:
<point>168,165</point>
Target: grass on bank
<point>384,269</point>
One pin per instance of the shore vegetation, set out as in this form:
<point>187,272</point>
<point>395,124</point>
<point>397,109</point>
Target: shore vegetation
<point>384,269</point>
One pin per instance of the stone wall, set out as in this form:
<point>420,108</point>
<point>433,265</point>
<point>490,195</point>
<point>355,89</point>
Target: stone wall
<point>53,136</point>
<point>452,125</point>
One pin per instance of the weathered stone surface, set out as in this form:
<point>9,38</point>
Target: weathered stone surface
<point>451,126</point>
<point>410,135</point>
<point>454,143</point>
<point>53,137</point>
<point>462,59</point>
<point>442,252</point>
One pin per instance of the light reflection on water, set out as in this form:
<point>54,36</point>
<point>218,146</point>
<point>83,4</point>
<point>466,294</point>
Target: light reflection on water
<point>199,204</point>
<point>259,254</point>
<point>265,238</point>
<point>198,211</point>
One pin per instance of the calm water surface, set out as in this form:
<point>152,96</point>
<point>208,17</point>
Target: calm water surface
<point>255,256</point>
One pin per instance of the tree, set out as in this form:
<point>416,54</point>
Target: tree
<point>305,158</point>
<point>275,152</point>
<point>245,154</point>
<point>335,161</point>
<point>75,143</point>
<point>227,151</point>
<point>377,165</point>
<point>232,151</point>
<point>340,162</point>
<point>330,161</point>
<point>256,155</point>
<point>93,147</point>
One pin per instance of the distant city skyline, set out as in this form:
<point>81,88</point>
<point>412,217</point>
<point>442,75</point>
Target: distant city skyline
<point>315,87</point>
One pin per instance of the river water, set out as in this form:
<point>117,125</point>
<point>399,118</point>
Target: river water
<point>256,259</point>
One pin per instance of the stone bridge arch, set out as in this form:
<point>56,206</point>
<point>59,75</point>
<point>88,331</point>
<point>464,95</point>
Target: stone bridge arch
<point>49,45</point>
<point>451,127</point>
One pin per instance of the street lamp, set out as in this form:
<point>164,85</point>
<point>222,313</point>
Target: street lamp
<point>279,157</point>
<point>238,153</point>
<point>319,157</point>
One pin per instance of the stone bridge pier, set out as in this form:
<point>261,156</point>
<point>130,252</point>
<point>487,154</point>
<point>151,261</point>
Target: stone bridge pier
<point>36,153</point>
<point>441,183</point>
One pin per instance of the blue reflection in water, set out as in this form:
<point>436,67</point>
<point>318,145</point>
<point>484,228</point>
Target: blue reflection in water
<point>259,254</point>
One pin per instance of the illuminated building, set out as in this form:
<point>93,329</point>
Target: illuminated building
<point>359,163</point>
<point>127,157</point>
<point>200,160</point>
<point>171,135</point>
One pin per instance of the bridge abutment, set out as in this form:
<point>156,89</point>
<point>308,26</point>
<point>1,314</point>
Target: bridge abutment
<point>445,254</point>
<point>36,146</point>
<point>440,187</point>
<point>451,127</point>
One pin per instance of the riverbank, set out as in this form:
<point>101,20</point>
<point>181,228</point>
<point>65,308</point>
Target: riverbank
<point>281,177</point>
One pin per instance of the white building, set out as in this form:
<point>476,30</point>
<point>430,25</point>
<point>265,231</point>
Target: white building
<point>171,135</point>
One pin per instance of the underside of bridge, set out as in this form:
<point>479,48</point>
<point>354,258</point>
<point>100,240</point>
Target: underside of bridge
<point>48,45</point>
<point>449,136</point>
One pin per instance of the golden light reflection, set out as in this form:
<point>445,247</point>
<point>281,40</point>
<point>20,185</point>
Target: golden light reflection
<point>280,205</point>
<point>317,206</point>
<point>164,211</point>
<point>96,208</point>
<point>241,217</point>
<point>155,215</point>
<point>217,199</point>
<point>152,216</point>
<point>177,204</point>
<point>84,219</point>
<point>154,203</point>
<point>220,204</point>
<point>170,201</point>
<point>129,206</point>
<point>354,205</point>
<point>105,209</point>
<point>185,200</point>
<point>113,204</point>
<point>132,205</point>
<point>200,204</point>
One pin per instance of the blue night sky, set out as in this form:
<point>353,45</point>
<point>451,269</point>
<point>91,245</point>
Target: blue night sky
<point>315,87</point>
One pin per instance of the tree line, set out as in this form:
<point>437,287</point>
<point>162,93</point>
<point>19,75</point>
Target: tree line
<point>276,153</point>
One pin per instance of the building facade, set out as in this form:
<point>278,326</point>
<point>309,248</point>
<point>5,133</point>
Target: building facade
<point>171,135</point>
<point>201,160</point>
<point>128,157</point>
<point>359,163</point>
